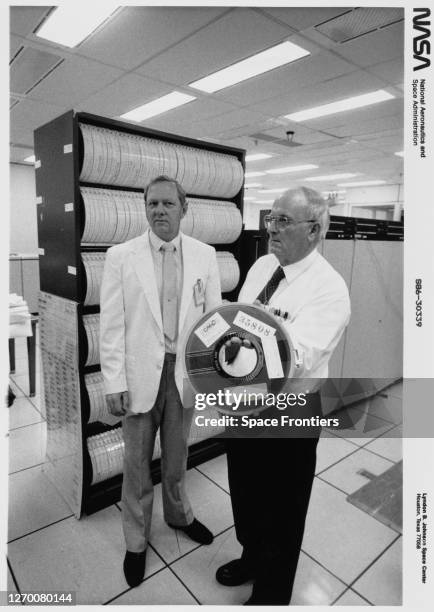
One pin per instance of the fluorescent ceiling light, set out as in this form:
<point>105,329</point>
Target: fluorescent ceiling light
<point>272,190</point>
<point>271,58</point>
<point>331,177</point>
<point>158,106</point>
<point>400,153</point>
<point>361,183</point>
<point>249,199</point>
<point>257,156</point>
<point>342,105</point>
<point>252,174</point>
<point>252,185</point>
<point>69,24</point>
<point>265,201</point>
<point>292,169</point>
<point>31,159</point>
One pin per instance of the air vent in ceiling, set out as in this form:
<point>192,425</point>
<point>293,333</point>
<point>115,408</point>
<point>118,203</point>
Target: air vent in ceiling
<point>30,67</point>
<point>358,22</point>
<point>280,141</point>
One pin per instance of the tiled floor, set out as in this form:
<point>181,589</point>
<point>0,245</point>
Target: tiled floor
<point>348,557</point>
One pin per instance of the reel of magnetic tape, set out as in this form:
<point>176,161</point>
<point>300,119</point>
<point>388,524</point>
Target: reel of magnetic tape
<point>238,349</point>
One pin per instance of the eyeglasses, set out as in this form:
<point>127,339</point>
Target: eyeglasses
<point>281,222</point>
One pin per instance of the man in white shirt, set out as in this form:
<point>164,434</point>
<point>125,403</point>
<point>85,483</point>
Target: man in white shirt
<point>154,288</point>
<point>271,479</point>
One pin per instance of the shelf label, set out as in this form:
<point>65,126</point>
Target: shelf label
<point>39,200</point>
<point>69,207</point>
<point>41,251</point>
<point>67,148</point>
<point>72,270</point>
<point>37,164</point>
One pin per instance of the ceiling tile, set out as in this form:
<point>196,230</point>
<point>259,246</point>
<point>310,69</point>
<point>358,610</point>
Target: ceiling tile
<point>138,33</point>
<point>200,109</point>
<point>385,115</point>
<point>243,32</point>
<point>302,135</point>
<point>391,71</point>
<point>301,18</point>
<point>359,22</point>
<point>387,144</point>
<point>15,43</point>
<point>24,19</point>
<point>29,67</point>
<point>383,45</point>
<point>110,102</point>
<point>13,100</point>
<point>29,115</point>
<point>74,80</point>
<point>357,82</point>
<point>171,126</point>
<point>365,139</point>
<point>384,167</point>
<point>122,95</point>
<point>214,126</point>
<point>307,71</point>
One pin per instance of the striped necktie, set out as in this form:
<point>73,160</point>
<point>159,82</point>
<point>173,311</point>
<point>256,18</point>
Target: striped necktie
<point>265,296</point>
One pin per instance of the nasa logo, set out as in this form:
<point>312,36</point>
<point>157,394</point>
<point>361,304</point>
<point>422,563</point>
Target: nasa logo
<point>420,44</point>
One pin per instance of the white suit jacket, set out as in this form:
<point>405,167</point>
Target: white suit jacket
<point>131,327</point>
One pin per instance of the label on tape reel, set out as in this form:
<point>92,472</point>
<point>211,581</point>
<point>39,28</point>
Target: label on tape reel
<point>253,325</point>
<point>272,357</point>
<point>212,329</point>
<point>236,345</point>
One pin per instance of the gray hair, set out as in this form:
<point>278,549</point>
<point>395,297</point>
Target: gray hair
<point>166,179</point>
<point>316,205</point>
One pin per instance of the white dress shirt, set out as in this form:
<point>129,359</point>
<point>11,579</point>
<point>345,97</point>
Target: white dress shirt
<point>157,256</point>
<point>316,299</point>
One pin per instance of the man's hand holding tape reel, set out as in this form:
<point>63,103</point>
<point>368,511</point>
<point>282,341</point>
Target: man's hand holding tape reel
<point>300,309</point>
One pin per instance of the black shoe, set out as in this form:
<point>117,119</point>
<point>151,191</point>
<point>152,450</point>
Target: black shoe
<point>134,567</point>
<point>196,532</point>
<point>234,573</point>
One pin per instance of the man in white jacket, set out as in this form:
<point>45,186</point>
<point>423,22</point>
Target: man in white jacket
<point>154,288</point>
<point>271,479</point>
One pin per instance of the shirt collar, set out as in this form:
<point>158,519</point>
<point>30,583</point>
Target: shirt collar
<point>156,242</point>
<point>293,270</point>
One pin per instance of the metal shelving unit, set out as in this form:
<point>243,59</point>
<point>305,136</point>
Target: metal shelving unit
<point>61,215</point>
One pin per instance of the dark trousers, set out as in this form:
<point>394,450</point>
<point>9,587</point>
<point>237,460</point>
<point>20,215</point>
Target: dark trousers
<point>270,483</point>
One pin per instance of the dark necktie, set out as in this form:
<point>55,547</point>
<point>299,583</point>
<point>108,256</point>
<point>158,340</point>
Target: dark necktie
<point>266,293</point>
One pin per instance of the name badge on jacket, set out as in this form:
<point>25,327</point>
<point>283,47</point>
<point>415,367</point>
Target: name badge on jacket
<point>199,292</point>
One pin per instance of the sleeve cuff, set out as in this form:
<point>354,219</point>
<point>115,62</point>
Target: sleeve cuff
<point>115,386</point>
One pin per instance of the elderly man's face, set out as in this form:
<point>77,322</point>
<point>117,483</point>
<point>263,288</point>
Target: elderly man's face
<point>299,238</point>
<point>164,210</point>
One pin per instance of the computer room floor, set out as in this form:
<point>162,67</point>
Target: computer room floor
<point>348,557</point>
